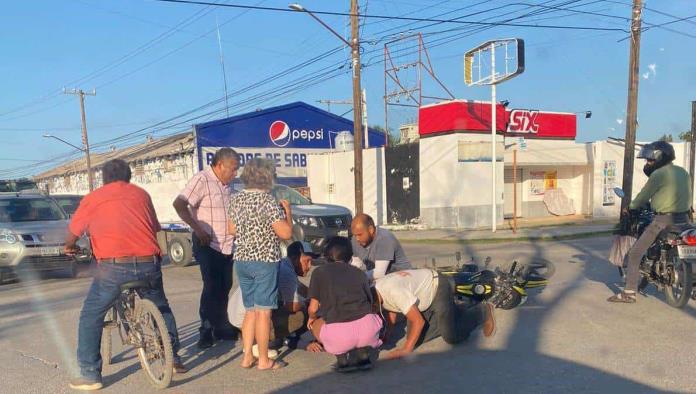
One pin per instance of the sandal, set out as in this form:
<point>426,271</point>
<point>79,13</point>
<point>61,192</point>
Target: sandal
<point>276,365</point>
<point>250,366</point>
<point>624,297</point>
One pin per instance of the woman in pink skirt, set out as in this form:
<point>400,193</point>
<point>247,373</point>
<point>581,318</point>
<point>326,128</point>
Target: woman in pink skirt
<point>342,293</point>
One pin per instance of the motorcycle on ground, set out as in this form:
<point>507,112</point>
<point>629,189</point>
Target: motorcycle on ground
<point>668,262</point>
<point>503,289</point>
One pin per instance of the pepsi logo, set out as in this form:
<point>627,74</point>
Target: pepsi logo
<point>279,132</point>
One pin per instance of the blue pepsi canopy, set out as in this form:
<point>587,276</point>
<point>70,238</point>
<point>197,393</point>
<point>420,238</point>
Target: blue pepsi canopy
<point>296,125</point>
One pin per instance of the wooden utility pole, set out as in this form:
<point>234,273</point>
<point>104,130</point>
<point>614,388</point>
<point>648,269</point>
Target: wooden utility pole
<point>85,140</point>
<point>692,144</point>
<point>357,107</point>
<point>632,106</point>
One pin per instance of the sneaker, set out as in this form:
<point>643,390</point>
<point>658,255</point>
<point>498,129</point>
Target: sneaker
<point>625,297</point>
<point>226,334</point>
<point>179,367</point>
<point>206,338</point>
<point>489,326</point>
<point>272,353</point>
<point>85,384</point>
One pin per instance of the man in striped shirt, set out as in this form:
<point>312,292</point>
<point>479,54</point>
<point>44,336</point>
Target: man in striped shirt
<point>203,205</point>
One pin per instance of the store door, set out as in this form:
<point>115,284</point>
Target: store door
<point>509,190</point>
<point>403,186</point>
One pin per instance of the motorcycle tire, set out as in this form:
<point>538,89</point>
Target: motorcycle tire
<point>513,300</point>
<point>541,268</point>
<point>678,294</point>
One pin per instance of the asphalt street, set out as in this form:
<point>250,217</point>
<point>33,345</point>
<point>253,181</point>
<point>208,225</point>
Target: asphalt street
<point>565,338</point>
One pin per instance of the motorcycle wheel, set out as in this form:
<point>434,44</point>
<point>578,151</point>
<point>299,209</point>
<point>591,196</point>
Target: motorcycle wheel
<point>541,268</point>
<point>678,291</point>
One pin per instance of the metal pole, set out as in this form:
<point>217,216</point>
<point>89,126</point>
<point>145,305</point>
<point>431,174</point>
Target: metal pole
<point>514,191</point>
<point>366,129</point>
<point>85,141</point>
<point>632,105</point>
<point>692,144</point>
<point>493,142</point>
<point>222,64</point>
<point>357,107</point>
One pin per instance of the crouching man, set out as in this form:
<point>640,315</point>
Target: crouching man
<point>347,328</point>
<point>426,299</point>
<point>289,320</point>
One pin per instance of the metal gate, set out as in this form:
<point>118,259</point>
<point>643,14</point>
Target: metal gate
<point>403,186</point>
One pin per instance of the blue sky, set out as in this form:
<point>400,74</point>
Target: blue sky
<point>95,43</point>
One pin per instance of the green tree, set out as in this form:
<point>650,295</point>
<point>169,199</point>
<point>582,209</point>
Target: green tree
<point>685,136</point>
<point>667,138</point>
<point>392,139</point>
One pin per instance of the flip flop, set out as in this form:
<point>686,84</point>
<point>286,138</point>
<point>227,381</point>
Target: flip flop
<point>250,366</point>
<point>276,365</point>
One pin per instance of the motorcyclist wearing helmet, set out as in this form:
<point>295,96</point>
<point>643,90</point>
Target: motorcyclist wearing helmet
<point>668,190</point>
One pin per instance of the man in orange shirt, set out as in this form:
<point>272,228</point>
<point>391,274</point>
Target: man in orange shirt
<point>123,226</point>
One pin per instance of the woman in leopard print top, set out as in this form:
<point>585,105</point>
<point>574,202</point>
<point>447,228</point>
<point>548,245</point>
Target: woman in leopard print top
<point>258,223</point>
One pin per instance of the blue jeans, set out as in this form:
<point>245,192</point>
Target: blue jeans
<point>258,281</point>
<point>104,290</point>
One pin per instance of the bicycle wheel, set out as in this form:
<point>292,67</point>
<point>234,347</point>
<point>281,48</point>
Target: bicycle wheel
<point>109,324</point>
<point>155,350</point>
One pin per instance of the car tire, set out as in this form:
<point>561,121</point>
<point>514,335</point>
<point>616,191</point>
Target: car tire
<point>180,251</point>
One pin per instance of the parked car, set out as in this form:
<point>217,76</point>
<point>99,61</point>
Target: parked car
<point>32,235</point>
<point>69,202</point>
<point>314,223</point>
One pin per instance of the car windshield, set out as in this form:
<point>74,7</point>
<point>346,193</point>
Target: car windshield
<point>282,192</point>
<point>29,210</point>
<point>69,204</point>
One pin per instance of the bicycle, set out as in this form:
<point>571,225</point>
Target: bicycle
<point>140,324</point>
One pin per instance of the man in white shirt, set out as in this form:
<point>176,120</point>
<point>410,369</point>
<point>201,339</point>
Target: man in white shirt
<point>426,299</point>
<point>291,316</point>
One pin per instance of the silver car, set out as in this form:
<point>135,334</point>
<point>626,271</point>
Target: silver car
<point>32,234</point>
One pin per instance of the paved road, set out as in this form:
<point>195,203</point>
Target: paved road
<point>565,339</point>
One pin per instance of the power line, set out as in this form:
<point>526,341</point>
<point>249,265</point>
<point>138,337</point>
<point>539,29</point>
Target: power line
<point>388,17</point>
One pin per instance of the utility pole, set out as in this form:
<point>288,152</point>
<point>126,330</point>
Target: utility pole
<point>85,140</point>
<point>632,106</point>
<point>357,107</point>
<point>692,144</point>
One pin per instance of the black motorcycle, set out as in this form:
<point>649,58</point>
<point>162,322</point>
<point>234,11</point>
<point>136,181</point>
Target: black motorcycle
<point>668,262</point>
<point>504,289</point>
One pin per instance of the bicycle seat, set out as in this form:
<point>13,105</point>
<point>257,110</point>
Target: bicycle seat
<point>677,229</point>
<point>135,284</point>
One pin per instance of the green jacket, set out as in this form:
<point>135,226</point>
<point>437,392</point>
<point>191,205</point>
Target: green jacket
<point>668,190</point>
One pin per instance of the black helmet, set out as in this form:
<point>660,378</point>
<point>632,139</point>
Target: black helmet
<point>661,152</point>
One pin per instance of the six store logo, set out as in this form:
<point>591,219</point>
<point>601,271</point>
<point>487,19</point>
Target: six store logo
<point>281,134</point>
<point>523,121</point>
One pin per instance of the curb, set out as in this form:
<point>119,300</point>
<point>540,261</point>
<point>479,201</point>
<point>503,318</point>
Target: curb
<point>544,238</point>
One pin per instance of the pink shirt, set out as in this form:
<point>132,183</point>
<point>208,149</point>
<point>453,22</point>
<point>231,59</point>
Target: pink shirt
<point>209,200</point>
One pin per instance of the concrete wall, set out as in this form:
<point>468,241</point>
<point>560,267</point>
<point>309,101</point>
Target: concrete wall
<point>453,193</point>
<point>608,150</point>
<point>163,178</point>
<point>331,181</point>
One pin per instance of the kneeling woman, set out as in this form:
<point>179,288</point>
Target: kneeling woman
<point>342,292</point>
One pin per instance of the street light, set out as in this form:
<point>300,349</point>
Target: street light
<point>89,167</point>
<point>354,45</point>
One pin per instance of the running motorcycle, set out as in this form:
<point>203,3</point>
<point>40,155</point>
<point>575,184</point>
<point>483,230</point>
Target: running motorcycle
<point>504,289</point>
<point>668,262</point>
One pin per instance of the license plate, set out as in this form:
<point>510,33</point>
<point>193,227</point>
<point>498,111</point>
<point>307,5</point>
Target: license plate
<point>687,251</point>
<point>50,251</point>
<point>343,233</point>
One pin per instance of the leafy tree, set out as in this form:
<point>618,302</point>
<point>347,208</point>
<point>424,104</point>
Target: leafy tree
<point>685,136</point>
<point>667,138</point>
